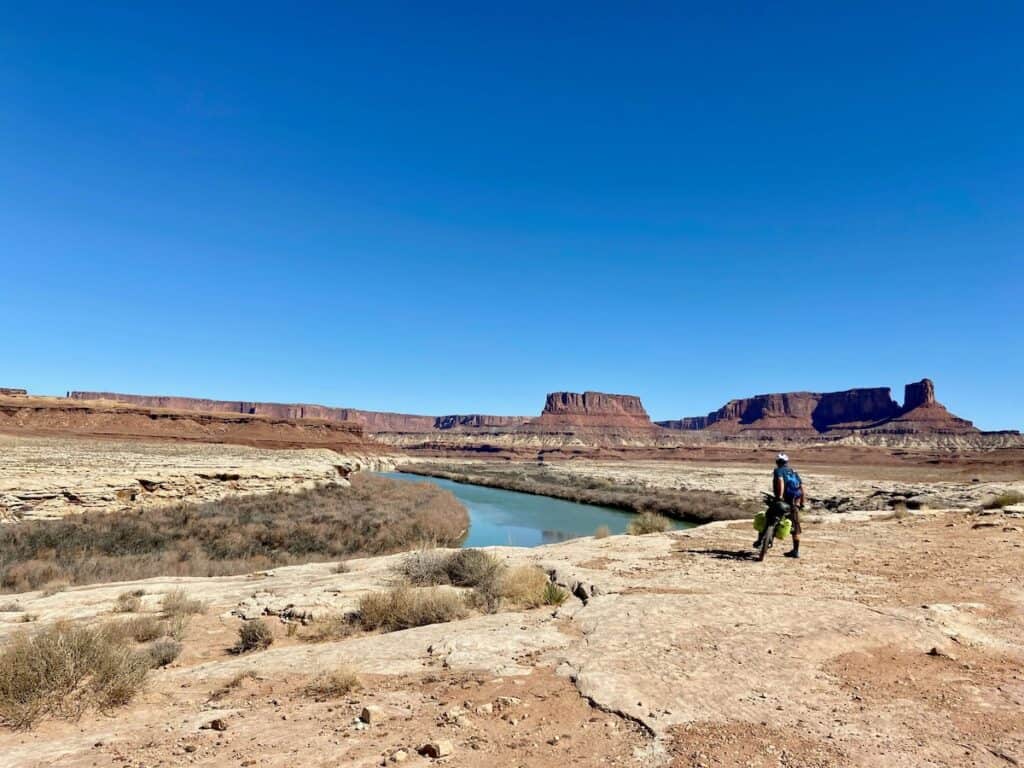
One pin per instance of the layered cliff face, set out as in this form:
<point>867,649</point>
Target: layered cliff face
<point>371,421</point>
<point>593,409</point>
<point>810,413</point>
<point>58,416</point>
<point>478,421</point>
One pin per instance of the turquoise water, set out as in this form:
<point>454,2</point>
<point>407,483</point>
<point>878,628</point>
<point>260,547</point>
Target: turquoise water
<point>510,518</point>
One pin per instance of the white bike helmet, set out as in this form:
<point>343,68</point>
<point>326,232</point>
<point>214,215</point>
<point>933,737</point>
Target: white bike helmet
<point>783,458</point>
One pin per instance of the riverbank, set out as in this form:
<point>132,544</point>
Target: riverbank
<point>693,506</point>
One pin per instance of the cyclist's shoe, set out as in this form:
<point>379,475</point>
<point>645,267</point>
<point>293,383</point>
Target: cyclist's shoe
<point>757,544</point>
<point>792,553</point>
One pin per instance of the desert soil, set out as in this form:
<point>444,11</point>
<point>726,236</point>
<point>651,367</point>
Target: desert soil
<point>894,641</point>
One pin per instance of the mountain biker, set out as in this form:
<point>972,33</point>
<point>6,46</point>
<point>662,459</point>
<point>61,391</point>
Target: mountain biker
<point>788,490</point>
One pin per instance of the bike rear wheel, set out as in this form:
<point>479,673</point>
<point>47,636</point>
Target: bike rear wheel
<point>766,542</point>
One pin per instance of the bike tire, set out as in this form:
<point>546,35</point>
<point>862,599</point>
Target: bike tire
<point>766,542</point>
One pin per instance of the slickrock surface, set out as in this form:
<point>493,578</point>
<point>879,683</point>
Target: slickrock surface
<point>894,642</point>
<point>50,477</point>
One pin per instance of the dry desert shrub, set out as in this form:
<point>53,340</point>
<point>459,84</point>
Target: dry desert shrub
<point>234,535</point>
<point>334,684</point>
<point>472,568</point>
<point>141,629</point>
<point>64,670</point>
<point>426,567</point>
<point>178,603</point>
<point>234,684</point>
<point>336,626</point>
<point>55,587</point>
<point>602,532</point>
<point>648,522</point>
<point>253,636</point>
<point>523,586</point>
<point>1004,499</point>
<point>163,651</point>
<point>128,602</point>
<point>462,568</point>
<point>404,607</point>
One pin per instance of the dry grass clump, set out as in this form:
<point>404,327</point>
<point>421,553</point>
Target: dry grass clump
<point>404,607</point>
<point>129,602</point>
<point>64,670</point>
<point>602,532</point>
<point>55,587</point>
<point>517,587</point>
<point>336,626</point>
<point>11,607</point>
<point>178,603</point>
<point>234,535</point>
<point>695,506</point>
<point>648,522</point>
<point>141,629</point>
<point>234,684</point>
<point>1004,499</point>
<point>163,651</point>
<point>254,636</point>
<point>333,685</point>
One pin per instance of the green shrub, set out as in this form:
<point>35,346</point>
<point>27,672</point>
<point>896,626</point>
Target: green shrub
<point>554,594</point>
<point>648,522</point>
<point>254,636</point>
<point>403,607</point>
<point>64,670</point>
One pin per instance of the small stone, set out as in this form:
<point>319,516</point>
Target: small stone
<point>399,756</point>
<point>217,724</point>
<point>436,749</point>
<point>190,748</point>
<point>371,714</point>
<point>507,702</point>
<point>485,709</point>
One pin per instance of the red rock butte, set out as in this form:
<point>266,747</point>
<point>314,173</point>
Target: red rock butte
<point>870,410</point>
<point>593,409</point>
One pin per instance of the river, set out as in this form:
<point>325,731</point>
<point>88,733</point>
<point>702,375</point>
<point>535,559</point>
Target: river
<point>510,518</point>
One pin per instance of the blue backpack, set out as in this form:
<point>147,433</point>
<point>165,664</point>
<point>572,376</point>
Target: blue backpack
<point>793,487</point>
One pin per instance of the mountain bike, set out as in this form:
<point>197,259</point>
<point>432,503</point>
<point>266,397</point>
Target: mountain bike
<point>777,511</point>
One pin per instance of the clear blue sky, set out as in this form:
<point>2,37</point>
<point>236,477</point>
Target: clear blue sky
<point>460,208</point>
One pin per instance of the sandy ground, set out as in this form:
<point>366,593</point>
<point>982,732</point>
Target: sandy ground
<point>894,641</point>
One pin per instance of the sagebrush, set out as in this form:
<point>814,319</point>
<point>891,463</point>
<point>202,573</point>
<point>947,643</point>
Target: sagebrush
<point>64,670</point>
